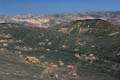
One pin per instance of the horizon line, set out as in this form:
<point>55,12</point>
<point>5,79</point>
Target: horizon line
<point>55,13</point>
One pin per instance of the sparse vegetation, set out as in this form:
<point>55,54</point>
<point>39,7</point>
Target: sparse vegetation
<point>64,54</point>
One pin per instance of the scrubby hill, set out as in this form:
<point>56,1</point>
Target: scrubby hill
<point>83,52</point>
<point>94,32</point>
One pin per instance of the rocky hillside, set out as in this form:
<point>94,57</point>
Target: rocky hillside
<point>88,49</point>
<point>87,26</point>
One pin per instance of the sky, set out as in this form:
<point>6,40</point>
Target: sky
<point>13,7</point>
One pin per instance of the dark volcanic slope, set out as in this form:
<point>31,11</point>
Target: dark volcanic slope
<point>91,47</point>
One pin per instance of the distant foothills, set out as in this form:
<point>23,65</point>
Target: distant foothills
<point>40,20</point>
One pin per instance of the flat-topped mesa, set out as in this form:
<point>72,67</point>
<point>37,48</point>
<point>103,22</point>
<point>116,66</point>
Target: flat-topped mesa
<point>93,23</point>
<point>87,25</point>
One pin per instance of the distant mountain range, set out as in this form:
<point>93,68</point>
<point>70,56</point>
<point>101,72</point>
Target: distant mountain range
<point>40,20</point>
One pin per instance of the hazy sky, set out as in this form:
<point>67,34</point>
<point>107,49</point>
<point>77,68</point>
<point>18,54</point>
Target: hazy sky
<point>12,7</point>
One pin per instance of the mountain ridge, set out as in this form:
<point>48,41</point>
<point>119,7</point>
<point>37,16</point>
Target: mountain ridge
<point>53,19</point>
